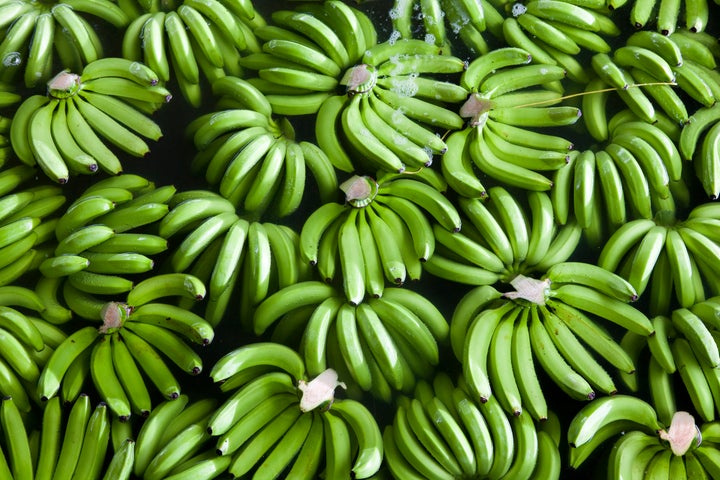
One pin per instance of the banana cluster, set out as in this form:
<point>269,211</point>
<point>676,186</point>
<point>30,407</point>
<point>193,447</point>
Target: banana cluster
<point>643,71</point>
<point>64,132</point>
<point>64,445</point>
<point>642,448</point>
<point>276,420</point>
<point>126,348</point>
<point>656,63</point>
<point>703,131</point>
<point>181,42</point>
<point>442,432</point>
<point>305,53</point>
<point>555,322</point>
<point>381,344</point>
<point>27,222</point>
<point>685,342</point>
<point>437,20</point>
<point>508,95</point>
<point>666,256</point>
<point>470,20</point>
<point>606,418</point>
<point>252,157</point>
<point>392,111</point>
<point>227,252</point>
<point>361,236</point>
<point>173,443</point>
<point>431,14</point>
<point>667,16</point>
<point>554,32</point>
<point>28,343</point>
<point>38,36</point>
<point>8,98</point>
<point>500,240</point>
<point>629,179</point>
<point>100,239</point>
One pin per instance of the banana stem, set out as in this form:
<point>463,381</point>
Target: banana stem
<point>320,391</point>
<point>63,85</point>
<point>113,316</point>
<point>682,433</point>
<point>529,289</point>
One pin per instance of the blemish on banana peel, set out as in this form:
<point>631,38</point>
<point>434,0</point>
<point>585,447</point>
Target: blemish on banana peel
<point>113,316</point>
<point>530,289</point>
<point>682,433</point>
<point>320,391</point>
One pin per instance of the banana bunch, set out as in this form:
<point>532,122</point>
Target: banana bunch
<point>606,418</point>
<point>64,132</point>
<point>642,448</point>
<point>382,344</point>
<point>643,71</point>
<point>500,240</point>
<point>598,92</point>
<point>667,16</point>
<point>685,342</point>
<point>276,421</point>
<point>305,53</point>
<point>173,442</point>
<point>31,43</point>
<point>470,20</point>
<point>101,227</point>
<point>431,14</point>
<point>180,42</point>
<point>8,98</point>
<point>430,19</point>
<point>392,112</point>
<point>223,250</point>
<point>663,256</point>
<point>63,445</point>
<point>508,95</point>
<point>554,32</point>
<point>439,20</point>
<point>28,341</point>
<point>554,321</point>
<point>442,432</point>
<point>361,236</point>
<point>252,157</point>
<point>125,349</point>
<point>27,222</point>
<point>635,175</point>
<point>100,239</point>
<point>698,142</point>
<point>612,75</point>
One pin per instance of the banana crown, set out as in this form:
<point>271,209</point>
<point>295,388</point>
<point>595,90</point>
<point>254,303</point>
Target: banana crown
<point>320,391</point>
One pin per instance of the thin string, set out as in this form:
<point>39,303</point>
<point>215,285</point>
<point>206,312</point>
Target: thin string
<point>602,90</point>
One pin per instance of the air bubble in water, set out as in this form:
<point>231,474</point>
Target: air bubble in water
<point>394,36</point>
<point>406,87</point>
<point>518,9</point>
<point>12,59</point>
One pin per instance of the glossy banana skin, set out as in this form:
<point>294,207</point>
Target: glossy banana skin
<point>450,242</point>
